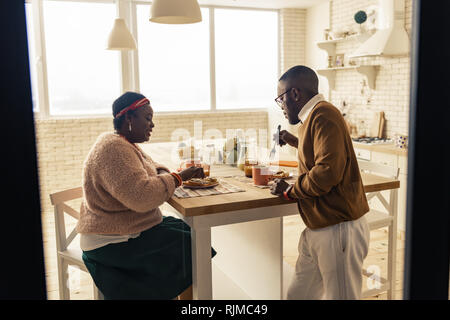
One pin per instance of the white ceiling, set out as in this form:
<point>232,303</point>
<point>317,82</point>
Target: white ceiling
<point>267,4</point>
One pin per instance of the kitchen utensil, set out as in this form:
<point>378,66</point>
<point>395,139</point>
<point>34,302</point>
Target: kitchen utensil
<point>285,163</point>
<point>272,153</point>
<point>380,132</point>
<point>376,127</point>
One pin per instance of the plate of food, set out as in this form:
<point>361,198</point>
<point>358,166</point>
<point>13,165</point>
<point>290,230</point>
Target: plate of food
<point>198,183</point>
<point>282,175</point>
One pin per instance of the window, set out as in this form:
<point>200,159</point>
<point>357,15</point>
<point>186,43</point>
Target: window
<point>32,56</point>
<point>246,58</point>
<point>174,64</point>
<point>83,77</point>
<point>178,67</point>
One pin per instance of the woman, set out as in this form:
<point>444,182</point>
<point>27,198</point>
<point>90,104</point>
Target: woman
<point>129,248</point>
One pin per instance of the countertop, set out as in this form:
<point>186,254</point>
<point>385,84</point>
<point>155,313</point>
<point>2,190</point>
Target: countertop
<point>387,148</point>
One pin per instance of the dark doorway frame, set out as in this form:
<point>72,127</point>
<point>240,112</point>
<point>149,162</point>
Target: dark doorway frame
<point>22,267</point>
<point>426,274</point>
<point>428,209</point>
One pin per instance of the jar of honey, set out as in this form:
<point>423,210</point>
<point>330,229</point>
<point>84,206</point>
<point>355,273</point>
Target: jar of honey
<point>248,167</point>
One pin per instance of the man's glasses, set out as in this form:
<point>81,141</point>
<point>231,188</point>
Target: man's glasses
<point>279,99</point>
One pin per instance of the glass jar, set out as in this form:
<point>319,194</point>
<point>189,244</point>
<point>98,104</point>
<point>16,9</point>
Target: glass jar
<point>241,157</point>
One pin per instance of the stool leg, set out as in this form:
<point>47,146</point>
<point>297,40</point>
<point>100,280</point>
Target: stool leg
<point>392,247</point>
<point>63,278</point>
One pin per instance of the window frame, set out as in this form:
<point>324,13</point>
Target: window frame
<point>129,60</point>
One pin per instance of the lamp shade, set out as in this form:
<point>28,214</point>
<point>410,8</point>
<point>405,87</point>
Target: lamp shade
<point>175,11</point>
<point>120,37</point>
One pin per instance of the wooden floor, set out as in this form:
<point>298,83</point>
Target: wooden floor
<point>80,283</point>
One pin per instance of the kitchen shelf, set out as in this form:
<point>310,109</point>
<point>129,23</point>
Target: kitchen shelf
<point>330,45</point>
<point>369,72</point>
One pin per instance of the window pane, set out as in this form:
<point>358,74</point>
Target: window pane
<point>246,58</point>
<point>174,63</point>
<point>83,76</point>
<point>32,55</point>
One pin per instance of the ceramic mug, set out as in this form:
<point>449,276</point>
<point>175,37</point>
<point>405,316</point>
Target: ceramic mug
<point>261,175</point>
<point>401,141</point>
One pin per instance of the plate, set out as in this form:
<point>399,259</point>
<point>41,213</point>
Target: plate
<point>285,178</point>
<point>201,187</point>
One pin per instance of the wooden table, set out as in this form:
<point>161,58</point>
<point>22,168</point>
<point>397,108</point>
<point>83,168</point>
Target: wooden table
<point>248,233</point>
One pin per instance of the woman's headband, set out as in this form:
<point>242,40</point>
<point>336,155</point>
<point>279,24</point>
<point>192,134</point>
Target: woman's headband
<point>133,106</point>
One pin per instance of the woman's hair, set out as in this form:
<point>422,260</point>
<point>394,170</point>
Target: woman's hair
<point>121,103</point>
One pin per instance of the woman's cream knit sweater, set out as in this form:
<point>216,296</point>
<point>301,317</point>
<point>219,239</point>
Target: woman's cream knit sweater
<point>122,189</point>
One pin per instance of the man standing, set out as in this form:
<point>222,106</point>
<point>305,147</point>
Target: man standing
<point>329,193</point>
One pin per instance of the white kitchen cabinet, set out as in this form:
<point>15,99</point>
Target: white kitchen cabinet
<point>385,159</point>
<point>363,154</point>
<point>403,164</point>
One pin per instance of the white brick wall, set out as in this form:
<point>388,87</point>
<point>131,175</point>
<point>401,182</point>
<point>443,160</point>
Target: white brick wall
<point>63,144</point>
<point>292,52</point>
<point>292,38</point>
<point>391,93</point>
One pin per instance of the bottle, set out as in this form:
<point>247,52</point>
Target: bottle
<point>241,158</point>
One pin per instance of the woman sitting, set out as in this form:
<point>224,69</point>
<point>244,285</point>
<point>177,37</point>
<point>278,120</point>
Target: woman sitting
<point>131,250</point>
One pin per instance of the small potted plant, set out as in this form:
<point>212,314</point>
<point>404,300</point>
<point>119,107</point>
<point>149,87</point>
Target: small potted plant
<point>360,17</point>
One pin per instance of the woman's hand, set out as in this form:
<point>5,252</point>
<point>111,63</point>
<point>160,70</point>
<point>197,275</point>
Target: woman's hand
<point>191,172</point>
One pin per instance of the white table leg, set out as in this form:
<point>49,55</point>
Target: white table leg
<point>201,264</point>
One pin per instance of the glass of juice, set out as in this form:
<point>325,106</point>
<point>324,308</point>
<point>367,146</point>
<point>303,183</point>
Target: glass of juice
<point>206,169</point>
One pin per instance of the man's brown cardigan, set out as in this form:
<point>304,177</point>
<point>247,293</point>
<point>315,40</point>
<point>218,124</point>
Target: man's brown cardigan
<point>329,188</point>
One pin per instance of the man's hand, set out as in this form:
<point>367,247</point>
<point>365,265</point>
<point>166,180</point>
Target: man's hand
<point>287,138</point>
<point>278,187</point>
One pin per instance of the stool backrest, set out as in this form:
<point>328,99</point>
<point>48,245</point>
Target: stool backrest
<point>383,170</point>
<point>59,200</point>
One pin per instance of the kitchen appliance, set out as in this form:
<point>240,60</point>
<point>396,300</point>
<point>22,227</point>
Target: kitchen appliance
<point>391,38</point>
<point>372,140</point>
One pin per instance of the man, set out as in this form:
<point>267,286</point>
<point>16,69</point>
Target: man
<point>329,193</point>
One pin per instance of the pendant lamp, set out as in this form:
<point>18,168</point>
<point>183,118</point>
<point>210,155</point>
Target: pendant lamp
<point>175,11</point>
<point>120,37</point>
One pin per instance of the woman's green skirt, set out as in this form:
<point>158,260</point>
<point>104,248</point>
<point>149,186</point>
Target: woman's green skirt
<point>155,265</point>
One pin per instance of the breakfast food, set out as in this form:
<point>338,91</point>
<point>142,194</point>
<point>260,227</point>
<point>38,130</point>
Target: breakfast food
<point>281,175</point>
<point>197,182</point>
